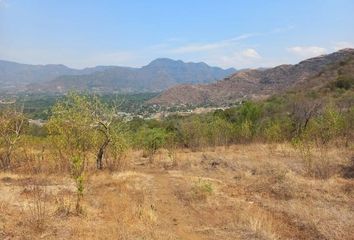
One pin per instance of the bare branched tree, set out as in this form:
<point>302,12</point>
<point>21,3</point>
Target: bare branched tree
<point>103,117</point>
<point>303,110</point>
<point>12,122</point>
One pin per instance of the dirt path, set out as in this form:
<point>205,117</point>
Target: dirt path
<point>175,216</point>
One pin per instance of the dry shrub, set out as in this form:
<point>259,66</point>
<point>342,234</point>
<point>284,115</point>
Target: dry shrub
<point>321,165</point>
<point>199,191</point>
<point>171,159</point>
<point>269,169</point>
<point>182,161</point>
<point>124,204</point>
<point>64,206</point>
<point>118,163</point>
<point>348,170</point>
<point>273,180</point>
<point>213,162</point>
<point>322,220</point>
<point>129,215</point>
<point>287,189</point>
<point>3,206</point>
<point>32,161</point>
<point>4,212</point>
<point>35,160</point>
<point>260,222</point>
<point>167,159</point>
<point>37,207</point>
<point>348,188</point>
<point>317,161</point>
<point>172,155</point>
<point>285,150</point>
<point>147,214</point>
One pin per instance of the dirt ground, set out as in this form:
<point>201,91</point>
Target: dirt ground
<point>240,192</point>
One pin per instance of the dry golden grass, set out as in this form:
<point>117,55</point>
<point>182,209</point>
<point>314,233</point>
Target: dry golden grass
<point>240,192</point>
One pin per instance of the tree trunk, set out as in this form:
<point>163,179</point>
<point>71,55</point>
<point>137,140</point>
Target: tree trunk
<point>6,160</point>
<point>100,154</point>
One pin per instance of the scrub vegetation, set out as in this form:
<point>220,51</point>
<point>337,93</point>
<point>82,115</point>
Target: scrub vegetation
<point>280,168</point>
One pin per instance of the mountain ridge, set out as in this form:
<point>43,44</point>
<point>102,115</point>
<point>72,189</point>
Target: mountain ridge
<point>256,83</point>
<point>17,75</point>
<point>158,75</point>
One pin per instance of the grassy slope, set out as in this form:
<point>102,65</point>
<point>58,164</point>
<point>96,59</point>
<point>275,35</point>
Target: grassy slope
<point>241,192</point>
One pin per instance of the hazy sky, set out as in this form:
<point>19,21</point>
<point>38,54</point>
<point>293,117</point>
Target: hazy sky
<point>227,33</point>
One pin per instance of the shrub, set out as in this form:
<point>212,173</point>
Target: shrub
<point>202,189</point>
<point>273,132</point>
<point>244,131</point>
<point>77,172</point>
<point>151,139</point>
<point>38,212</point>
<point>247,121</point>
<point>193,132</point>
<point>12,125</point>
<point>325,127</point>
<point>343,82</point>
<point>220,132</point>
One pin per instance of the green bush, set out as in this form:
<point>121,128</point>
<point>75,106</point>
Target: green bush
<point>325,127</point>
<point>220,132</point>
<point>151,139</point>
<point>273,132</point>
<point>343,82</point>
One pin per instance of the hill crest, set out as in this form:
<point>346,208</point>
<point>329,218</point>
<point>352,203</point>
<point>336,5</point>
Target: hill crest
<point>259,83</point>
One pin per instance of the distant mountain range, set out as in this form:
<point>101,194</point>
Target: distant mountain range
<point>16,75</point>
<point>180,82</point>
<point>260,83</point>
<point>159,75</point>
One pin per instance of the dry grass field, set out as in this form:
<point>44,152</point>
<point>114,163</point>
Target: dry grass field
<point>240,192</point>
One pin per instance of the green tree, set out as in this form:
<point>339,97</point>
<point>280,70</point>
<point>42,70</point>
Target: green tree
<point>70,126</point>
<point>107,128</point>
<point>70,129</point>
<point>192,131</point>
<point>273,131</point>
<point>83,123</point>
<point>220,131</point>
<point>327,126</point>
<point>249,111</point>
<point>79,125</point>
<point>248,116</point>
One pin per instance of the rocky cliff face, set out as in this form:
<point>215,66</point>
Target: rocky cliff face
<point>251,84</point>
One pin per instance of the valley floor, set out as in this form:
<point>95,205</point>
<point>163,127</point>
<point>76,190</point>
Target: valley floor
<point>239,192</point>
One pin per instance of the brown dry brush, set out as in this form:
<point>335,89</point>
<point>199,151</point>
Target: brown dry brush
<point>12,124</point>
<point>38,212</point>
